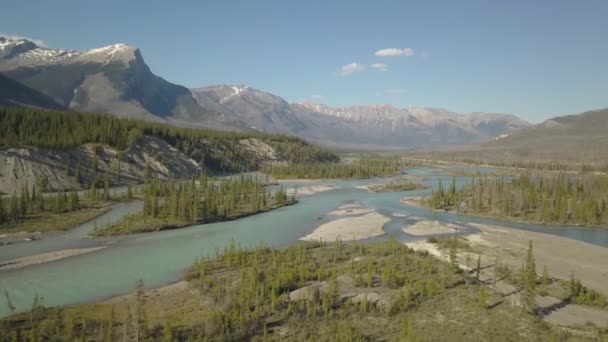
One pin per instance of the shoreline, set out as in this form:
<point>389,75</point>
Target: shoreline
<point>43,258</point>
<point>353,222</point>
<point>415,202</point>
<point>562,256</point>
<point>175,226</point>
<point>310,190</point>
<point>426,228</point>
<point>26,236</point>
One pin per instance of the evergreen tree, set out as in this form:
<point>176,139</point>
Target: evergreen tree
<point>106,188</point>
<point>129,192</point>
<point>453,254</point>
<point>78,175</point>
<point>3,216</point>
<point>140,327</point>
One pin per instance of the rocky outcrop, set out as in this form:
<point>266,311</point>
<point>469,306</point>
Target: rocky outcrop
<point>265,152</point>
<point>58,170</point>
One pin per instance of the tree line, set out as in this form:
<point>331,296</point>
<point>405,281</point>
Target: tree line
<point>173,204</point>
<point>563,199</point>
<point>215,149</point>
<point>360,168</point>
<point>15,208</point>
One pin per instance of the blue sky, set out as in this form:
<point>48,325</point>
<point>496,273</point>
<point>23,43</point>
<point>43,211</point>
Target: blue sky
<point>535,58</point>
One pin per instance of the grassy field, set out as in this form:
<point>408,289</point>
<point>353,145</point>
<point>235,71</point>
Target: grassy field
<point>337,292</point>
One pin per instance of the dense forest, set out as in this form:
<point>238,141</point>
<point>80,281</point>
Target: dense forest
<point>337,292</point>
<point>176,204</point>
<point>63,130</point>
<point>366,167</point>
<point>563,199</point>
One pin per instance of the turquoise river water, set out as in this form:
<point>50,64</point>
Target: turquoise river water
<point>161,258</point>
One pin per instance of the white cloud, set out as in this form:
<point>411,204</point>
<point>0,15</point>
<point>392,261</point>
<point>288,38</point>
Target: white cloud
<point>16,37</point>
<point>349,69</point>
<point>380,66</point>
<point>394,91</point>
<point>393,52</point>
<point>424,54</point>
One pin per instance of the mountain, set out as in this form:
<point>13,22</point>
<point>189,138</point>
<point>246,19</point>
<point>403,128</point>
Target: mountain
<point>115,79</point>
<point>385,125</point>
<point>13,93</point>
<point>253,108</point>
<point>372,126</point>
<point>578,138</point>
<point>67,150</point>
<point>573,137</point>
<point>112,79</point>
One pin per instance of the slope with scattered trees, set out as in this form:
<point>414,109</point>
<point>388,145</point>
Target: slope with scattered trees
<point>317,292</point>
<point>72,149</point>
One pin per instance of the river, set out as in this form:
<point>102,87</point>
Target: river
<point>160,258</point>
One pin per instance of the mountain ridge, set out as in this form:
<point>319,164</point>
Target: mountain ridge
<point>115,79</point>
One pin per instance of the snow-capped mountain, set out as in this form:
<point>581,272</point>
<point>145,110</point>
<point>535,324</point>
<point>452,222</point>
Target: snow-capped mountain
<point>372,126</point>
<point>388,125</point>
<point>255,109</point>
<point>112,79</point>
<point>24,53</point>
<point>115,79</point>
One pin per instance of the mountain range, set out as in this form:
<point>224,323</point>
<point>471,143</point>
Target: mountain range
<point>115,79</point>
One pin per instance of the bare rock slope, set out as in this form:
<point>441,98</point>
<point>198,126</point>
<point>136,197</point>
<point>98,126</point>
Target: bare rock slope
<point>78,167</point>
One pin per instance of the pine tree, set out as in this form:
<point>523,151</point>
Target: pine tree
<point>95,163</point>
<point>406,334</point>
<point>478,268</point>
<point>3,215</point>
<point>453,255</point>
<point>78,175</point>
<point>140,327</point>
<point>528,280</point>
<point>530,266</point>
<point>167,332</point>
<point>9,302</point>
<point>74,201</point>
<point>129,192</point>
<point>15,213</point>
<point>147,173</point>
<point>482,295</point>
<point>106,188</point>
<point>23,201</point>
<point>545,279</point>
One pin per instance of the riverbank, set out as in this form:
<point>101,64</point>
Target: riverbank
<point>502,252</point>
<point>137,224</point>
<point>35,225</point>
<point>422,228</point>
<point>418,203</point>
<point>309,190</point>
<point>354,222</point>
<point>562,257</point>
<point>413,201</point>
<point>381,291</point>
<point>43,258</point>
